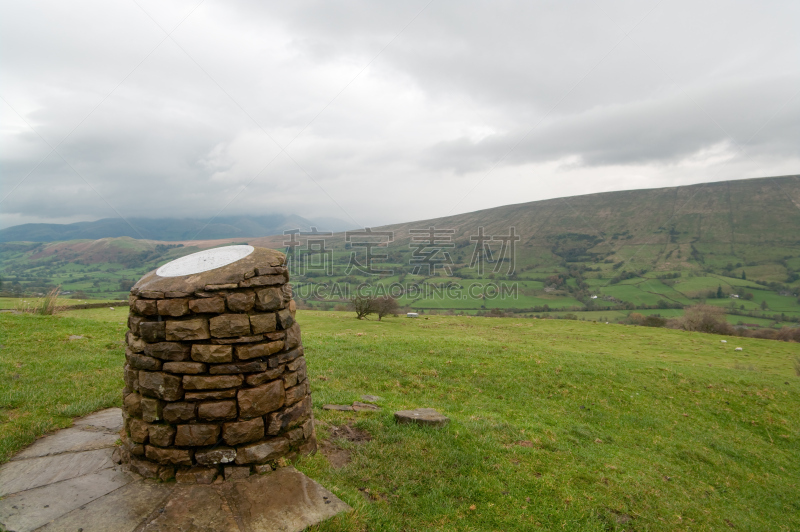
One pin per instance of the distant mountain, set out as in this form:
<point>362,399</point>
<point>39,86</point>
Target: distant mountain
<point>170,229</point>
<point>648,250</point>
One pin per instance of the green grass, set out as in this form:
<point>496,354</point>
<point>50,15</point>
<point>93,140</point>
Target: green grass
<point>666,429</point>
<point>47,379</point>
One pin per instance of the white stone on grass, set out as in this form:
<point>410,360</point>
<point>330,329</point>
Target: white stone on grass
<point>422,416</point>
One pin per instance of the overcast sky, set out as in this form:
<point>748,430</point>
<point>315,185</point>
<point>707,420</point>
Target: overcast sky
<point>383,112</point>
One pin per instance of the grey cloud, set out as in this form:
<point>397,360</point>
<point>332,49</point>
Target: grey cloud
<point>656,131</point>
<point>442,103</point>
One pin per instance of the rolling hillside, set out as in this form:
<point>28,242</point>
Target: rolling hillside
<point>166,229</point>
<point>735,244</point>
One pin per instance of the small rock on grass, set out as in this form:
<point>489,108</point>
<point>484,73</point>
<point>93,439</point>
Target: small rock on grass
<point>340,408</point>
<point>370,398</point>
<point>361,407</point>
<point>422,416</point>
<point>357,406</point>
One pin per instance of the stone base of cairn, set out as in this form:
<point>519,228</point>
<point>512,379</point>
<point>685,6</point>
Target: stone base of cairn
<point>215,379</point>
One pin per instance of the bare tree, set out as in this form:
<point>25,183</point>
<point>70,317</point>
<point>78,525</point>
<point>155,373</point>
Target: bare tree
<point>363,305</point>
<point>386,305</point>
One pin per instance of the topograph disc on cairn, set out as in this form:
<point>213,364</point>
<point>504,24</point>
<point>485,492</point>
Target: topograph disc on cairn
<point>215,379</point>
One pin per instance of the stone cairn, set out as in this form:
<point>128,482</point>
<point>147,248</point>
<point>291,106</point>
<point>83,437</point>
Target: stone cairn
<point>215,379</point>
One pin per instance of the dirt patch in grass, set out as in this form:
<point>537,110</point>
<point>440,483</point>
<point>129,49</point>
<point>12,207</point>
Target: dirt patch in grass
<point>337,456</point>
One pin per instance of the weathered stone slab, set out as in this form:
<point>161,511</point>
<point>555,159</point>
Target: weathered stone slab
<point>364,407</point>
<point>184,367</point>
<point>67,440</point>
<point>339,408</point>
<point>283,358</point>
<point>197,475</point>
<point>236,472</point>
<point>160,385</point>
<point>285,319</point>
<point>228,325</point>
<point>138,361</point>
<point>173,307</point>
<point>254,402</point>
<point>173,351</point>
<point>263,280</point>
<point>122,510</point>
<point>269,299</point>
<point>170,456</point>
<point>133,404</point>
<point>195,508</point>
<point>135,343</point>
<point>240,301</point>
<point>197,435</point>
<point>296,393</point>
<point>289,417</point>
<point>151,409</point>
<point>238,340</point>
<point>261,378</point>
<point>19,475</point>
<point>261,451</point>
<point>224,286</point>
<point>34,508</point>
<point>422,416</point>
<point>263,323</point>
<point>216,455</point>
<point>293,337</point>
<point>153,331</point>
<point>209,396</point>
<point>139,430</point>
<point>209,305</point>
<point>188,330</point>
<point>217,410</point>
<point>284,500</point>
<point>370,398</point>
<point>179,412</point>
<point>145,307</point>
<point>161,435</point>
<point>271,270</point>
<point>212,354</point>
<point>243,431</point>
<point>243,367</point>
<point>247,352</point>
<point>191,382</point>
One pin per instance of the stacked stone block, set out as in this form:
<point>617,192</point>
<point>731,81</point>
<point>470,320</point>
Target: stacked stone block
<point>215,377</point>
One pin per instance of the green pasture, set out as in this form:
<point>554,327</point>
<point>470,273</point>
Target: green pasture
<point>555,424</point>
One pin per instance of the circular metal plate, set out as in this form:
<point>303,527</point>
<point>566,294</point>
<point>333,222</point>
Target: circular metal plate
<point>203,261</point>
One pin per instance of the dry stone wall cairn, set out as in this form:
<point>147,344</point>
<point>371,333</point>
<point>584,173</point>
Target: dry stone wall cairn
<point>215,374</point>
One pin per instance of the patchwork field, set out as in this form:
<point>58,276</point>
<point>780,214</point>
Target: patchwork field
<point>556,424</point>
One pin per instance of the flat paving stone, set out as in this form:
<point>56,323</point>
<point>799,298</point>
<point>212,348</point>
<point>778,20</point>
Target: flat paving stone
<point>285,500</point>
<point>84,490</point>
<point>66,441</point>
<point>358,406</point>
<point>370,398</point>
<point>340,408</point>
<point>109,419</point>
<point>123,510</point>
<point>422,416</point>
<point>195,509</point>
<point>20,475</point>
<point>34,508</point>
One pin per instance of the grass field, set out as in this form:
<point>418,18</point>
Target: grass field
<point>556,424</point>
